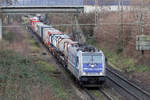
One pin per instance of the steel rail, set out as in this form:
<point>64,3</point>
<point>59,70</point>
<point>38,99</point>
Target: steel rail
<point>90,94</point>
<point>106,95</point>
<point>123,83</point>
<point>128,86</point>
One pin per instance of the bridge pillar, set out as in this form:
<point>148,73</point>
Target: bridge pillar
<point>0,29</point>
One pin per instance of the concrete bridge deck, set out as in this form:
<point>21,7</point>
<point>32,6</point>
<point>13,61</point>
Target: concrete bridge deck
<point>41,9</point>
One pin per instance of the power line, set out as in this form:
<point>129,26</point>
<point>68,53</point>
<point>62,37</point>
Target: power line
<point>148,24</point>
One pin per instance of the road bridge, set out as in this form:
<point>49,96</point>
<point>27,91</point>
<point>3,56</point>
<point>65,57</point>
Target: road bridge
<point>41,9</point>
<point>40,6</point>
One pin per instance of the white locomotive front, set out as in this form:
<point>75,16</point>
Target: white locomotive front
<point>88,65</point>
<point>92,68</point>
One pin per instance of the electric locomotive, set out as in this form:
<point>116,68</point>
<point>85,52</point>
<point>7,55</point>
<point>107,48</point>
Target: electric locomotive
<point>86,63</point>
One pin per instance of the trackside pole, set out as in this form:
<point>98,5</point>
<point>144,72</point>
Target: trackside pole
<point>0,29</point>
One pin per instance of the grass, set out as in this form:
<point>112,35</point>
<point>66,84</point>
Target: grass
<point>59,90</point>
<point>34,46</point>
<point>138,68</point>
<point>46,66</point>
<point>91,41</point>
<point>14,69</point>
<point>56,84</point>
<point>123,63</point>
<point>9,36</point>
<point>98,95</point>
<point>50,75</point>
<point>19,75</point>
<point>25,77</point>
<point>119,61</point>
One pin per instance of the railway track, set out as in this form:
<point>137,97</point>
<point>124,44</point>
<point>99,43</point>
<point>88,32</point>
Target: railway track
<point>84,94</point>
<point>91,95</point>
<point>88,95</point>
<point>103,93</point>
<point>132,89</point>
<point>106,95</point>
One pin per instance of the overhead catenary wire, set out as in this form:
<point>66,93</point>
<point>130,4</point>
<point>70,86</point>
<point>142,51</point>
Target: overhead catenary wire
<point>148,24</point>
<point>134,23</point>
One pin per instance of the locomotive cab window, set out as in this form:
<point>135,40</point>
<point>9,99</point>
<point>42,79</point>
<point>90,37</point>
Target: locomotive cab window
<point>92,59</point>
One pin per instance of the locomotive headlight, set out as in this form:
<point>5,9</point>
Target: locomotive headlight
<point>92,65</point>
<point>84,73</point>
<point>100,73</point>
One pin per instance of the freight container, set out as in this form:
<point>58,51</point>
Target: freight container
<point>41,29</point>
<point>56,39</point>
<point>45,35</point>
<point>64,45</point>
<point>36,27</point>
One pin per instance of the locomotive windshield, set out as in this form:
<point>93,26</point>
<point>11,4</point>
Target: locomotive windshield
<point>92,59</point>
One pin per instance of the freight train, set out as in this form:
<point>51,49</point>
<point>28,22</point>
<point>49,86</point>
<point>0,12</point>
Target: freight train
<point>86,63</point>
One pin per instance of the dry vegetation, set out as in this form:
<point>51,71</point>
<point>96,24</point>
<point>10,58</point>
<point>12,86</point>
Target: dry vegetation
<point>56,19</point>
<point>118,40</point>
<point>122,38</point>
<point>109,32</point>
<point>27,74</point>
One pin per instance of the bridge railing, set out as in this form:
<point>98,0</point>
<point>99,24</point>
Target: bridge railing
<point>43,3</point>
